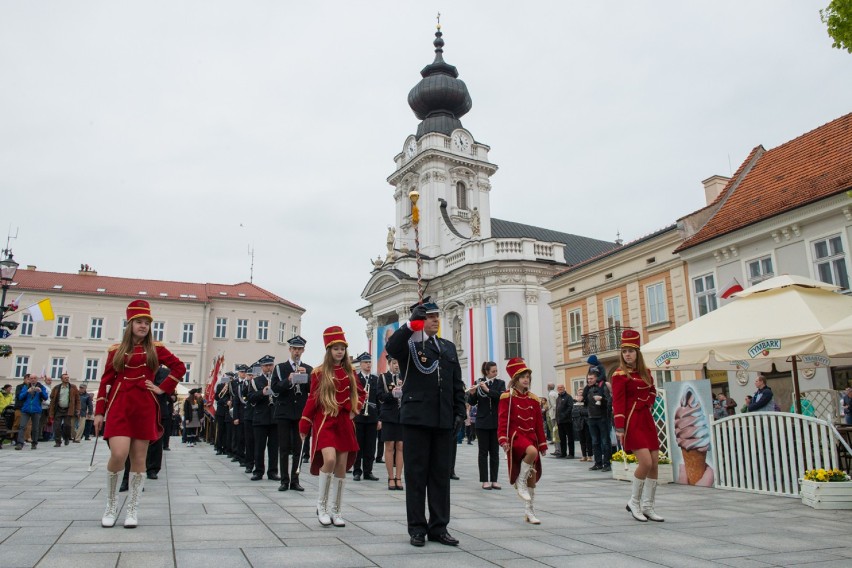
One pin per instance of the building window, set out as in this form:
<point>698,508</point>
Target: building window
<point>263,330</point>
<point>62,324</point>
<point>221,328</point>
<point>759,270</point>
<point>575,326</point>
<point>662,377</point>
<point>96,330</point>
<point>123,327</point>
<point>295,331</point>
<point>461,196</point>
<point>188,333</point>
<point>57,367</point>
<point>186,377</point>
<point>655,295</point>
<point>704,288</point>
<point>612,311</point>
<point>830,262</point>
<point>577,386</point>
<point>91,371</point>
<point>242,329</point>
<point>512,325</point>
<point>22,366</point>
<point>26,325</point>
<point>158,330</point>
<point>282,332</point>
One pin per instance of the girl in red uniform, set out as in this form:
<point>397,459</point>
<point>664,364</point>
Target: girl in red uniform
<point>127,396</point>
<point>633,397</point>
<point>335,398</point>
<point>521,434</point>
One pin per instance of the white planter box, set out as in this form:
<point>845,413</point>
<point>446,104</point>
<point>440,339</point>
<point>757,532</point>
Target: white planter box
<point>618,472</point>
<point>827,494</point>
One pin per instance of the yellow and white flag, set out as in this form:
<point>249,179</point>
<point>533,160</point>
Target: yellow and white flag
<point>42,311</point>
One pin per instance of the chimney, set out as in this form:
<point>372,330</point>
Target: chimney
<point>713,186</point>
<point>31,267</point>
<point>86,270</point>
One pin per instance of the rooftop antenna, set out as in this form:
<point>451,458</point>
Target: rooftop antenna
<point>9,236</point>
<point>618,240</point>
<point>251,269</point>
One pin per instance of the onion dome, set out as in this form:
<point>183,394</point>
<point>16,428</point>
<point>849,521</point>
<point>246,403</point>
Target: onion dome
<point>440,98</point>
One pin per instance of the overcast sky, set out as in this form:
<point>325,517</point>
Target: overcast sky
<point>137,137</point>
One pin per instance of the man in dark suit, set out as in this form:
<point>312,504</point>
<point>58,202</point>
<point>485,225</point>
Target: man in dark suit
<point>366,423</point>
<point>291,396</point>
<point>432,407</point>
<point>236,410</point>
<point>260,396</point>
<point>246,418</point>
<point>224,421</point>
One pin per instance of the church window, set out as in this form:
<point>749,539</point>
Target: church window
<point>512,327</point>
<point>461,196</point>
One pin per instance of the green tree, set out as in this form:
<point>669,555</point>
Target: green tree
<point>838,18</point>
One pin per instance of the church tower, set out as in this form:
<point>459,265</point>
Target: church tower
<point>444,163</point>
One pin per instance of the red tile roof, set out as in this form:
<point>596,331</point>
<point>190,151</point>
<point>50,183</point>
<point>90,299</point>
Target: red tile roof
<point>92,284</point>
<point>814,166</point>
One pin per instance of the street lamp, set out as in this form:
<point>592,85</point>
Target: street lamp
<point>8,268</point>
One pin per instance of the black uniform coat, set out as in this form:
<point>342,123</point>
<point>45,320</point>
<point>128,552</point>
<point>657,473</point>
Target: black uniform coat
<point>431,400</point>
<point>291,398</point>
<point>388,405</point>
<point>235,393</point>
<point>487,404</point>
<point>260,402</point>
<point>223,395</point>
<point>371,401</point>
<point>246,409</point>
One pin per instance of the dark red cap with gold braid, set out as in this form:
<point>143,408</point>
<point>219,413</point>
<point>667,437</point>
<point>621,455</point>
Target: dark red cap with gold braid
<point>138,309</point>
<point>332,335</point>
<point>630,338</point>
<point>516,365</point>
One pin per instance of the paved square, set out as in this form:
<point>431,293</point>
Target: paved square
<point>204,511</point>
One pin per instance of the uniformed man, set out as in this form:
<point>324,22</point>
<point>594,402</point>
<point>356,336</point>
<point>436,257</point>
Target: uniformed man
<point>262,398</point>
<point>291,398</point>
<point>432,406</point>
<point>237,443</point>
<point>223,418</point>
<point>247,416</point>
<point>366,423</point>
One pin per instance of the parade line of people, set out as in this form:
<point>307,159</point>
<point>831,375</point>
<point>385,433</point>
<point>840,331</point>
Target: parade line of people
<point>337,420</point>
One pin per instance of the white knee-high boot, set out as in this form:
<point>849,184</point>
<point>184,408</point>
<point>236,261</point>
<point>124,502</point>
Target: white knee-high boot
<point>111,512</point>
<point>336,501</point>
<point>634,506</point>
<point>529,508</point>
<point>648,496</point>
<point>521,482</point>
<point>322,498</point>
<point>131,517</point>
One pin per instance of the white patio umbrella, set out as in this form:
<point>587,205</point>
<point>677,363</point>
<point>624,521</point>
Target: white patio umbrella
<point>838,338</point>
<point>779,321</point>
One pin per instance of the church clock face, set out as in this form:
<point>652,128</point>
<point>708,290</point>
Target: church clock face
<point>461,142</point>
<point>411,149</point>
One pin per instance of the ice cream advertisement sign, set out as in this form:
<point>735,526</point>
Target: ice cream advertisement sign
<point>762,348</point>
<point>689,405</point>
<point>666,357</point>
<point>816,360</point>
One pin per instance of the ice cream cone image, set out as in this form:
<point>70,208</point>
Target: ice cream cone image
<point>692,434</point>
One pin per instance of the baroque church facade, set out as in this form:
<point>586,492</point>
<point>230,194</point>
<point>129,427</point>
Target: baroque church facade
<point>486,274</point>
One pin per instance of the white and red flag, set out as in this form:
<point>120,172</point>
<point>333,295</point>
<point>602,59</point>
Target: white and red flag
<point>730,289</point>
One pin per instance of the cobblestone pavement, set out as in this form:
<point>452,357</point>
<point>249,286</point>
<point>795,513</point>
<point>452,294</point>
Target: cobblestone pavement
<point>204,512</point>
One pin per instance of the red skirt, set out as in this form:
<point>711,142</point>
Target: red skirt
<point>517,451</point>
<point>336,432</point>
<point>133,412</point>
<point>641,432</point>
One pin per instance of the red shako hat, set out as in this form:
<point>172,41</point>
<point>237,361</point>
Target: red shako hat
<point>515,366</point>
<point>630,338</point>
<point>138,309</point>
<point>332,335</point>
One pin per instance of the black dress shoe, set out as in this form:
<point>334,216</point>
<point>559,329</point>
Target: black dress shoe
<point>570,457</point>
<point>152,475</point>
<point>595,467</point>
<point>370,477</point>
<point>356,476</point>
<point>418,540</point>
<point>454,477</point>
<point>379,460</point>
<point>235,459</point>
<point>257,477</point>
<point>606,468</point>
<point>294,485</point>
<point>273,476</point>
<point>249,469</point>
<point>444,538</point>
<point>164,449</point>
<point>284,487</point>
<point>123,487</point>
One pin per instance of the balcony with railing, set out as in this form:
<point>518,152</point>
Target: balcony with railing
<point>608,339</point>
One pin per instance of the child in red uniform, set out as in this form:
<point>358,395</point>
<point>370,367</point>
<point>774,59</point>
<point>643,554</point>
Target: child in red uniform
<point>127,395</point>
<point>335,398</point>
<point>521,434</point>
<point>633,397</point>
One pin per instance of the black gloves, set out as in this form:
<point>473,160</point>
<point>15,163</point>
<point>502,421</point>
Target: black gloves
<point>418,313</point>
<point>458,424</point>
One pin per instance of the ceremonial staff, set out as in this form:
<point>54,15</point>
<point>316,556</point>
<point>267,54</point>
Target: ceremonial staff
<point>414,195</point>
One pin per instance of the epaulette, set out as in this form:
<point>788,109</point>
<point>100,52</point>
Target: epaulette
<point>619,372</point>
<point>506,394</point>
<point>114,347</point>
<point>535,397</point>
<point>159,344</point>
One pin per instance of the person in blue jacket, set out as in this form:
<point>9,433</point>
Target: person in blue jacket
<point>31,396</point>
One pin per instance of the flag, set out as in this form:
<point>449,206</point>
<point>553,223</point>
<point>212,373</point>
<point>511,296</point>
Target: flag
<point>42,311</point>
<point>210,393</point>
<point>13,305</point>
<point>730,289</point>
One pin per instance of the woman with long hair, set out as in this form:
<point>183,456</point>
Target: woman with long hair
<point>521,434</point>
<point>127,397</point>
<point>633,397</point>
<point>193,411</point>
<point>485,395</point>
<point>335,398</point>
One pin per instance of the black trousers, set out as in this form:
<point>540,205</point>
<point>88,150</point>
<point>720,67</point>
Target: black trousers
<point>365,433</point>
<point>167,430</point>
<point>238,441</point>
<point>427,478</point>
<point>221,431</point>
<point>380,447</point>
<point>489,459</point>
<point>289,444</point>
<point>566,437</point>
<point>454,448</point>
<point>601,445</point>
<point>62,427</point>
<point>266,442</point>
<point>248,432</point>
<point>154,459</point>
